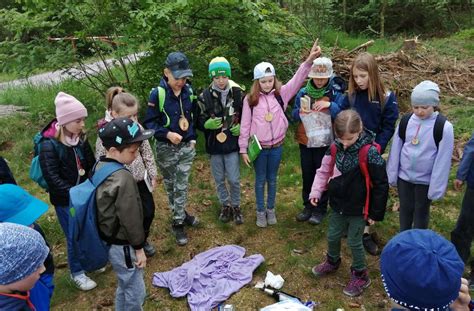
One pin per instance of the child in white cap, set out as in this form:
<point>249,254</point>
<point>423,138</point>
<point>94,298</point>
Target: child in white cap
<point>66,159</point>
<point>418,164</point>
<point>263,115</point>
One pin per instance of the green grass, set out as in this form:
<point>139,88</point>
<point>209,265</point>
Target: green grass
<point>277,243</point>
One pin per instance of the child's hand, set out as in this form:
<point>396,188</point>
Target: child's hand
<point>174,138</point>
<point>213,123</point>
<point>370,221</point>
<point>462,302</point>
<point>141,258</point>
<point>235,129</point>
<point>245,158</point>
<point>314,53</point>
<point>321,105</point>
<point>458,184</point>
<point>154,183</point>
<point>313,201</point>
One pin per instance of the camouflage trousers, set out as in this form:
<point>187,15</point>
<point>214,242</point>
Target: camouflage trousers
<point>174,162</point>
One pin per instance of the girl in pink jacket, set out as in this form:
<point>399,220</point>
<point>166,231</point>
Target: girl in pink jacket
<point>263,116</point>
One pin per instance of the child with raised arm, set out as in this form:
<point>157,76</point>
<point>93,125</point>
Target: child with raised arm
<point>121,104</point>
<point>463,233</point>
<point>324,90</point>
<point>418,165</point>
<point>341,175</point>
<point>263,115</point>
<point>220,108</point>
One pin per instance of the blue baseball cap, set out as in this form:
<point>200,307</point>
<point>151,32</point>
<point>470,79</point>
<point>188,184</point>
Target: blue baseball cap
<point>178,64</point>
<point>18,206</point>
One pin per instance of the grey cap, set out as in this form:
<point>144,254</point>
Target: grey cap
<point>178,64</point>
<point>425,94</point>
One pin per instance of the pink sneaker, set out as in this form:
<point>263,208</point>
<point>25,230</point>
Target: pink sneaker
<point>359,281</point>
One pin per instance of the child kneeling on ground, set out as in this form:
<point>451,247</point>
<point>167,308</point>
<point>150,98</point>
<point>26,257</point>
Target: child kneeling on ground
<point>344,180</point>
<point>120,213</point>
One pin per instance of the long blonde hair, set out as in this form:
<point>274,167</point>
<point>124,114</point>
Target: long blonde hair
<point>376,89</point>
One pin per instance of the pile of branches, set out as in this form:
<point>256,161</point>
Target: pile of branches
<point>404,69</point>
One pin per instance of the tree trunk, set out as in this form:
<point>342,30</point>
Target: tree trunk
<point>382,18</point>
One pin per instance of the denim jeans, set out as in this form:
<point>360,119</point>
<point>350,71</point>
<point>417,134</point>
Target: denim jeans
<point>62,212</point>
<point>130,293</point>
<point>227,166</point>
<point>266,170</point>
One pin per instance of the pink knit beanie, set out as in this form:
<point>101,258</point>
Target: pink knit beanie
<point>68,108</point>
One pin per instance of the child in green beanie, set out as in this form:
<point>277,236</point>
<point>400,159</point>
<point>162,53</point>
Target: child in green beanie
<point>220,108</point>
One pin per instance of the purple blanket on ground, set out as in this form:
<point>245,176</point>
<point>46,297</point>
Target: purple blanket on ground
<point>210,277</point>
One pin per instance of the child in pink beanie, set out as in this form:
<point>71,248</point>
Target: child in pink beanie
<point>66,159</point>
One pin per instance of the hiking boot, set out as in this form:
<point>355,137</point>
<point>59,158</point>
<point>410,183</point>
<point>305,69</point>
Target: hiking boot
<point>180,234</point>
<point>149,250</point>
<point>359,281</point>
<point>226,213</point>
<point>369,244</point>
<point>316,218</point>
<point>191,220</point>
<point>261,219</point>
<point>238,218</point>
<point>83,282</point>
<point>326,267</point>
<point>305,214</point>
<point>271,217</point>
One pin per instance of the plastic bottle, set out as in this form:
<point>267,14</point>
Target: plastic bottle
<point>279,295</point>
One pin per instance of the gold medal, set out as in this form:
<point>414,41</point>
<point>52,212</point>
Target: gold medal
<point>269,117</point>
<point>415,141</point>
<point>183,123</point>
<point>82,172</point>
<point>221,137</point>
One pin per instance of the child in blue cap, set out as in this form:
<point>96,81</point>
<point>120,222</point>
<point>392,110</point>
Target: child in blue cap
<point>22,254</point>
<point>20,207</point>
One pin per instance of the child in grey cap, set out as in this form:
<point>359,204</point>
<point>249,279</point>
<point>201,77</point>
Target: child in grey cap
<point>22,254</point>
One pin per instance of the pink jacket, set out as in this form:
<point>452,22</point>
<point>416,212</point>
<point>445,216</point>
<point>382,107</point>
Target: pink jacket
<point>273,132</point>
<point>326,172</point>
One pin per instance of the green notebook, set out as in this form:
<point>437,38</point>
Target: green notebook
<point>254,148</point>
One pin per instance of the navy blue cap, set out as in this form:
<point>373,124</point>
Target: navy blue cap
<point>178,64</point>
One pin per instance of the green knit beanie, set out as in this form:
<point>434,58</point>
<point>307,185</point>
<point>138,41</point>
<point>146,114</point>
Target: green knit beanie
<point>219,66</point>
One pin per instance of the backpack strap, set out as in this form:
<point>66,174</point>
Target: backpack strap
<point>280,101</point>
<point>402,126</point>
<point>438,129</point>
<point>104,172</point>
<point>161,103</point>
<point>364,167</point>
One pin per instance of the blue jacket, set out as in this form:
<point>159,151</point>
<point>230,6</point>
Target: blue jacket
<point>13,303</point>
<point>334,91</point>
<point>156,120</point>
<point>466,166</point>
<point>379,120</point>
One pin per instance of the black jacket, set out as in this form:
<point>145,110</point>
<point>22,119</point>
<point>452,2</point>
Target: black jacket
<point>347,191</point>
<point>59,167</point>
<point>209,104</point>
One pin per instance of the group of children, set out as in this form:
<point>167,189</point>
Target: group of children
<point>418,163</point>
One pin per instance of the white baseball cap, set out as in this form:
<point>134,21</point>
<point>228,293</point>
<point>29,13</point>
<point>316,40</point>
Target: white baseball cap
<point>322,68</point>
<point>263,70</point>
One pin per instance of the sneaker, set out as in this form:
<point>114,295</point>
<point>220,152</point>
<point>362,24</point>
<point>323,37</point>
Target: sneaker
<point>261,219</point>
<point>226,213</point>
<point>369,244</point>
<point>305,214</point>
<point>359,281</point>
<point>238,218</point>
<point>190,220</point>
<point>326,268</point>
<point>149,250</point>
<point>83,282</point>
<point>101,270</point>
<point>180,234</point>
<point>271,217</point>
<point>316,218</point>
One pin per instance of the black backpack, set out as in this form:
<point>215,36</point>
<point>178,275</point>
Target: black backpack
<point>437,128</point>
<point>6,176</point>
